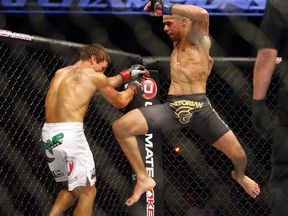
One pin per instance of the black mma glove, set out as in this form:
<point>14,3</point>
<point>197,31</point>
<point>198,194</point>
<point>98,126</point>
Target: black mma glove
<point>260,118</point>
<point>166,6</point>
<point>132,73</point>
<point>135,86</point>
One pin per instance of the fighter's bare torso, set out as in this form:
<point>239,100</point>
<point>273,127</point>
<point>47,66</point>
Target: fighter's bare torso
<point>190,62</point>
<point>190,67</point>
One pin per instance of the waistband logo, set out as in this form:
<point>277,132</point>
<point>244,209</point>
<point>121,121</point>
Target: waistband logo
<point>56,140</point>
<point>185,109</point>
<point>50,144</point>
<point>189,103</point>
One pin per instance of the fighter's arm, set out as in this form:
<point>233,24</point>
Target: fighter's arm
<point>115,81</point>
<point>196,14</point>
<point>114,97</point>
<point>263,72</point>
<point>268,41</point>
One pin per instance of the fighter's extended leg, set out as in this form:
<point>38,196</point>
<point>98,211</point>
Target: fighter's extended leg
<point>230,146</point>
<point>125,130</point>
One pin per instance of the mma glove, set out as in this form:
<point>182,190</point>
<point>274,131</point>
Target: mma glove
<point>260,118</point>
<point>166,6</point>
<point>132,73</point>
<point>135,86</point>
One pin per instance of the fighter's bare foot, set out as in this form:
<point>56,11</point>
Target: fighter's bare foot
<point>249,185</point>
<point>140,187</point>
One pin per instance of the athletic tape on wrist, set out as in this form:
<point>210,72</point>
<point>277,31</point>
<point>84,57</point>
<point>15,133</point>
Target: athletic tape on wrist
<point>166,8</point>
<point>133,88</point>
<point>126,75</point>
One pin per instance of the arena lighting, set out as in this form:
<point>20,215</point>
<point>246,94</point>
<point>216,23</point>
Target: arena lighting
<point>214,7</point>
<point>177,150</point>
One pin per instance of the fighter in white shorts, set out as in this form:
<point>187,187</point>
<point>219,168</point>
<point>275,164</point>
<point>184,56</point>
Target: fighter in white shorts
<point>67,100</point>
<point>68,153</point>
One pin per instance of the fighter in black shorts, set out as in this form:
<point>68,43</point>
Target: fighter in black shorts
<point>187,106</point>
<point>193,111</point>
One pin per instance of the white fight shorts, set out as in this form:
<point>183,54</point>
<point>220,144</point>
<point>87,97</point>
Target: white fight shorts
<point>68,153</point>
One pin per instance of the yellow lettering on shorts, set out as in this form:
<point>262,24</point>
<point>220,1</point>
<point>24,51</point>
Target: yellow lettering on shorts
<point>189,103</point>
<point>184,111</point>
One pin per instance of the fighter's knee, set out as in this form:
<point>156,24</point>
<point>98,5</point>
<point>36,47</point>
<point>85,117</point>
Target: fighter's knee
<point>120,127</point>
<point>89,191</point>
<point>93,191</point>
<point>116,127</point>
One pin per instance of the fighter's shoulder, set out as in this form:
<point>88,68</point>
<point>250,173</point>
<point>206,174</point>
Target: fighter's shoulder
<point>97,77</point>
<point>88,71</point>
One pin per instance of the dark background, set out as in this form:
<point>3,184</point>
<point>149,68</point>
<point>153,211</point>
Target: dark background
<point>232,36</point>
<point>230,91</point>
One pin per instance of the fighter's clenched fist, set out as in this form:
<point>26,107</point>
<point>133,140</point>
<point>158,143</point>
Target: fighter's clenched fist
<point>133,72</point>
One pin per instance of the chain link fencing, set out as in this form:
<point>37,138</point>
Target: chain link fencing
<point>197,177</point>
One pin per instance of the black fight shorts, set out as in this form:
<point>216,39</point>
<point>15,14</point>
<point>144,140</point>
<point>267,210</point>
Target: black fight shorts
<point>192,111</point>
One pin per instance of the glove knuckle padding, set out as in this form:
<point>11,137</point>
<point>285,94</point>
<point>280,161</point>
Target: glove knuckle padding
<point>135,86</point>
<point>166,6</point>
<point>154,2</point>
<point>132,73</point>
<point>135,70</point>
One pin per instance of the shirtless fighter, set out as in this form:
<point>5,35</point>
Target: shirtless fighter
<point>190,64</point>
<point>69,156</point>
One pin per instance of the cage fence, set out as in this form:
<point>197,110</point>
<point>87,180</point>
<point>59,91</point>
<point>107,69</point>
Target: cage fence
<point>197,177</point>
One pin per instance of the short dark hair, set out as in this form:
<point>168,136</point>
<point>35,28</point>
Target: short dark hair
<point>94,49</point>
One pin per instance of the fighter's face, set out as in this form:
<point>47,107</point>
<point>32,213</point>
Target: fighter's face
<point>172,27</point>
<point>100,66</point>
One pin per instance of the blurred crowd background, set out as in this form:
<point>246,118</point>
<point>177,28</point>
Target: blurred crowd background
<point>232,36</point>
